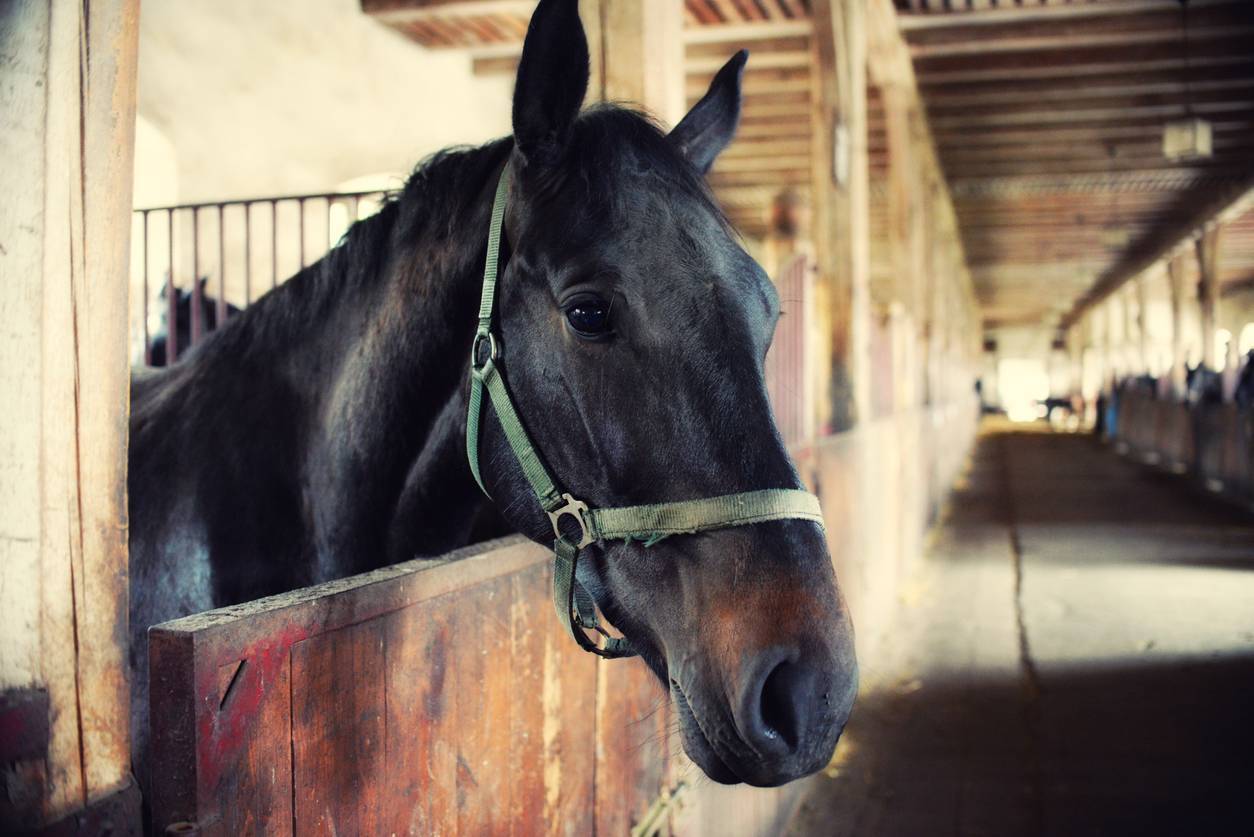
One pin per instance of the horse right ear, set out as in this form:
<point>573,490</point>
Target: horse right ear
<point>552,81</point>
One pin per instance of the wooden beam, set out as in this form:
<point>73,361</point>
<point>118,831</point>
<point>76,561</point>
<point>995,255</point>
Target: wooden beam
<point>911,23</point>
<point>1207,245</point>
<point>738,34</point>
<point>69,99</point>
<point>840,192</point>
<point>772,60</point>
<point>1175,284</point>
<point>1120,82</point>
<point>1162,24</point>
<point>1080,61</point>
<point>637,55</point>
<point>392,11</point>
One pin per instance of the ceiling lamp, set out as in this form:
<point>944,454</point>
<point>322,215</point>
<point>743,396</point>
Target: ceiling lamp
<point>1189,138</point>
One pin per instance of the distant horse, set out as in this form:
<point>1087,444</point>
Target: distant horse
<point>1243,393</point>
<point>321,432</point>
<point>183,320</point>
<point>1203,385</point>
<point>1144,384</point>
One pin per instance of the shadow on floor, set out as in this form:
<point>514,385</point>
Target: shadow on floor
<point>1120,750</point>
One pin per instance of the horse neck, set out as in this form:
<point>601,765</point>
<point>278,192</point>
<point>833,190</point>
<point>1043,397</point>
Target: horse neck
<point>354,372</point>
<point>388,448</point>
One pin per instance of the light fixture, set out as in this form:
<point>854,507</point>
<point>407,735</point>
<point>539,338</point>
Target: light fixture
<point>1189,138</point>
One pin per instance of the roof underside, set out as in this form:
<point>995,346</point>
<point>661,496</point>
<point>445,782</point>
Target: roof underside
<point>1048,116</point>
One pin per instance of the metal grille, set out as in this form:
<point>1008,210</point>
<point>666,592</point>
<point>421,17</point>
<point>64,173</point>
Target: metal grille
<point>194,265</point>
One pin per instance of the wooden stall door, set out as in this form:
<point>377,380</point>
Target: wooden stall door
<point>434,697</point>
<point>429,698</point>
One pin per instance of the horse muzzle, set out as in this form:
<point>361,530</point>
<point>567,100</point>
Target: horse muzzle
<point>780,720</point>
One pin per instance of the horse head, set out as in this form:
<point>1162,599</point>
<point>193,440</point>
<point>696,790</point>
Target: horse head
<point>633,329</point>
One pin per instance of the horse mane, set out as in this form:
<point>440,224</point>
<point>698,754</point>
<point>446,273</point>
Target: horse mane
<point>437,198</point>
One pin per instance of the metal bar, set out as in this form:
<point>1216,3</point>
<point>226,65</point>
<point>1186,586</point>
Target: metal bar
<point>327,218</point>
<point>197,292</point>
<point>269,198</point>
<point>248,254</point>
<point>221,303</point>
<point>171,301</point>
<point>274,244</point>
<point>144,304</point>
<point>300,208</point>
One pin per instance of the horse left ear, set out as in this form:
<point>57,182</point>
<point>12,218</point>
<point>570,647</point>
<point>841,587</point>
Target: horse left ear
<point>552,81</point>
<point>710,125</point>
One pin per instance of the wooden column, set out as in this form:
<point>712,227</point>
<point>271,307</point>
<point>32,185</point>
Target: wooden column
<point>68,95</point>
<point>1175,284</point>
<point>636,53</point>
<point>842,204</point>
<point>1142,321</point>
<point>1208,291</point>
<point>1129,349</point>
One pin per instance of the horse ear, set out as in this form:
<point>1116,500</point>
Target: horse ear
<point>552,81</point>
<point>710,125</point>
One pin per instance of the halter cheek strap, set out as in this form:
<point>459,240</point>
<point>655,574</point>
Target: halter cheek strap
<point>648,524</point>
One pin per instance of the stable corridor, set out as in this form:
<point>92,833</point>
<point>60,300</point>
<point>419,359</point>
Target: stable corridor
<point>1074,656</point>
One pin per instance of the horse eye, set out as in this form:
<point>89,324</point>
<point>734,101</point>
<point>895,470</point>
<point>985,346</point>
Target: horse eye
<point>589,317</point>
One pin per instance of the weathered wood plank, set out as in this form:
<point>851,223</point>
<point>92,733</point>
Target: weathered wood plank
<point>259,788</point>
<point>630,743</point>
<point>338,731</point>
<point>526,734</point>
<point>423,708</point>
<point>69,103</point>
<point>482,676</point>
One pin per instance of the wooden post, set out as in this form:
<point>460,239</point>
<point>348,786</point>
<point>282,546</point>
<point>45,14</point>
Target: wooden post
<point>636,54</point>
<point>842,204</point>
<point>900,188</point>
<point>1175,284</point>
<point>1208,291</point>
<point>1142,321</point>
<point>68,93</point>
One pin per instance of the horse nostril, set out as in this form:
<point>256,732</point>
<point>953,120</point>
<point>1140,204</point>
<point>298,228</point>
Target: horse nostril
<point>786,693</point>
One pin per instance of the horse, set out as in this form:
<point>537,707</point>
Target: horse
<point>183,321</point>
<point>1203,385</point>
<point>1243,391</point>
<point>321,432</point>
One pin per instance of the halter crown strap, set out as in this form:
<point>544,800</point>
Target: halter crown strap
<point>648,524</point>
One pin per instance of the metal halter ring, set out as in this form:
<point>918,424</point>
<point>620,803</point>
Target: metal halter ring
<point>474,349</point>
<point>577,509</point>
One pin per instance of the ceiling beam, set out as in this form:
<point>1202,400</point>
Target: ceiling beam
<point>742,33</point>
<point>911,23</point>
<point>1224,205</point>
<point>1086,60</point>
<point>1105,40</point>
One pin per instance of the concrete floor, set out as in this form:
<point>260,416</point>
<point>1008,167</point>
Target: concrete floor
<point>1074,657</point>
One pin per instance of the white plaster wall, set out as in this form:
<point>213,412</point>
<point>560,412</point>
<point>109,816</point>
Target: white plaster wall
<point>261,97</point>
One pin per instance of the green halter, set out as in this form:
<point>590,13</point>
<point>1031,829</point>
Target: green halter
<point>643,523</point>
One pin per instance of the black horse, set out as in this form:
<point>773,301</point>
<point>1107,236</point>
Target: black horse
<point>321,432</point>
<point>1203,385</point>
<point>157,347</point>
<point>1243,392</point>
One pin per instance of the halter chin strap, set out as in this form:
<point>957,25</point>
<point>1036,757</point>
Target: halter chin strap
<point>648,524</point>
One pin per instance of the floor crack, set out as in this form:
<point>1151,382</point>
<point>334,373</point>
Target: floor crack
<point>1030,676</point>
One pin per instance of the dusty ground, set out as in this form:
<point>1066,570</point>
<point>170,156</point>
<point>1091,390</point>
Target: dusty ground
<point>1075,657</point>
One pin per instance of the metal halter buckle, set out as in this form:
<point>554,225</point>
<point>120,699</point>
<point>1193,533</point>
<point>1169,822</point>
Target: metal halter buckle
<point>577,509</point>
<point>475,346</point>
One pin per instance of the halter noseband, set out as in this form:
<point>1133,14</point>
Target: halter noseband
<point>649,524</point>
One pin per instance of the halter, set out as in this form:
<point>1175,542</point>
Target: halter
<point>648,524</point>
